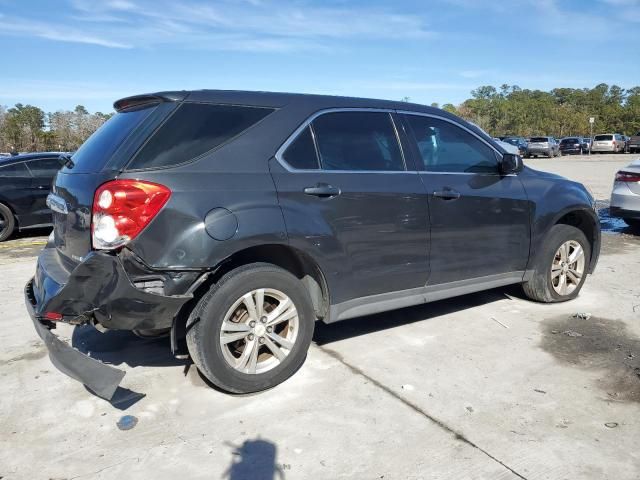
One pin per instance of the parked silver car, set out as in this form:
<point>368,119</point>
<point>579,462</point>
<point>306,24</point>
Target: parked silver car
<point>625,198</point>
<point>608,143</point>
<point>547,146</point>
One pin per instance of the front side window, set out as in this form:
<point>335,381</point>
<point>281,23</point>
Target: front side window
<point>14,170</point>
<point>301,153</point>
<point>357,141</point>
<point>44,167</point>
<point>194,129</point>
<point>445,147</point>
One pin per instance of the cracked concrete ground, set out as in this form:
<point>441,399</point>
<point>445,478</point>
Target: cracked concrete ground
<point>487,385</point>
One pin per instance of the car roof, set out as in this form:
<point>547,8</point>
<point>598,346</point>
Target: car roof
<point>275,100</point>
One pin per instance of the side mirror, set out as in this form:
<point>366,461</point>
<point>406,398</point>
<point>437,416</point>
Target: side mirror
<point>511,164</point>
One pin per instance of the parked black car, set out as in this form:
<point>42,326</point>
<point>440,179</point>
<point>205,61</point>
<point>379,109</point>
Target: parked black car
<point>519,142</point>
<point>569,145</point>
<point>25,181</point>
<point>235,220</point>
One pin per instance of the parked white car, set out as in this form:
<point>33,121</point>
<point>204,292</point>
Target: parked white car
<point>608,142</point>
<point>625,198</point>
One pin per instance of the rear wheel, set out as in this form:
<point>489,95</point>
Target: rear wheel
<point>252,330</point>
<point>562,266</point>
<point>7,222</point>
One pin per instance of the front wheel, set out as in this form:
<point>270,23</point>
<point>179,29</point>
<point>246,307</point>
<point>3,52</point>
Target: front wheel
<point>561,268</point>
<point>252,330</point>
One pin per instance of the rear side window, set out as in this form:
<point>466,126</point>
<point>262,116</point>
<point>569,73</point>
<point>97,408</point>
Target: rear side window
<point>357,141</point>
<point>14,170</point>
<point>44,167</point>
<point>445,147</point>
<point>93,154</point>
<point>194,129</point>
<point>301,153</point>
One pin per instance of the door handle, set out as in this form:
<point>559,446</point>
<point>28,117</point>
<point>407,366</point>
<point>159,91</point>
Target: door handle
<point>323,191</point>
<point>447,194</point>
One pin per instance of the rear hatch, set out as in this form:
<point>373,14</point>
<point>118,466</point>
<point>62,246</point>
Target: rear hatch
<point>567,143</point>
<point>539,142</point>
<point>603,140</point>
<point>98,160</point>
<point>635,139</point>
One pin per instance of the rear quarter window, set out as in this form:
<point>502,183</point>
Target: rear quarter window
<point>93,154</point>
<point>14,170</point>
<point>194,129</point>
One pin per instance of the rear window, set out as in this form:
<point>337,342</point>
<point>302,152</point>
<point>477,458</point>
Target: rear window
<point>603,138</point>
<point>569,140</point>
<point>93,154</point>
<point>539,139</point>
<point>194,129</point>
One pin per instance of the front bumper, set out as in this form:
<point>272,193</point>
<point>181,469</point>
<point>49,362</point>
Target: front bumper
<point>96,291</point>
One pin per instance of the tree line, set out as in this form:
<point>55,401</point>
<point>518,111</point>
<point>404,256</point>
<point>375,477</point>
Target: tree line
<point>506,110</point>
<point>26,128</point>
<point>561,112</point>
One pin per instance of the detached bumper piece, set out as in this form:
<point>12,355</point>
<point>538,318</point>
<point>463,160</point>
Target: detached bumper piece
<point>96,291</point>
<point>101,379</point>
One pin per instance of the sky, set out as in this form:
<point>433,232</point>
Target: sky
<point>57,54</point>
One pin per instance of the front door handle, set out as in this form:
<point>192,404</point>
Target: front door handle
<point>447,194</point>
<point>323,191</point>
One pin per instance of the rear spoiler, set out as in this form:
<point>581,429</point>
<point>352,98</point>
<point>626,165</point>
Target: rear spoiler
<point>148,98</point>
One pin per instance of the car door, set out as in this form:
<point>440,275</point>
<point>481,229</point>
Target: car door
<point>350,202</point>
<point>480,226</point>
<point>43,170</point>
<point>15,189</point>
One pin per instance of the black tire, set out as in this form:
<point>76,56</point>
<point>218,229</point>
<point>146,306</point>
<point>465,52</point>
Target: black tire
<point>205,323</point>
<point>7,222</point>
<point>539,288</point>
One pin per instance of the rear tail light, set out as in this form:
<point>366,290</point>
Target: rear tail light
<point>629,177</point>
<point>122,209</point>
<point>53,316</point>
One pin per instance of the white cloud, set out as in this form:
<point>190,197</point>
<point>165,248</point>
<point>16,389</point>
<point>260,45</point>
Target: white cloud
<point>250,25</point>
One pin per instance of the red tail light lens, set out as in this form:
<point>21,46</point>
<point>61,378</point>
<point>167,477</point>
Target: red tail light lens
<point>122,209</point>
<point>629,177</point>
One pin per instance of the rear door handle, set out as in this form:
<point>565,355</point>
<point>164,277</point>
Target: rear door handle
<point>323,191</point>
<point>447,194</point>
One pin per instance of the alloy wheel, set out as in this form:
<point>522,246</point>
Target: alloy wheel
<point>567,268</point>
<point>259,331</point>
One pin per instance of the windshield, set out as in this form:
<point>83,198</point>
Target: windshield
<point>512,141</point>
<point>603,138</point>
<point>93,154</point>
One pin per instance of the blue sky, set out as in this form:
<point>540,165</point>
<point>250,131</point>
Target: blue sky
<point>59,53</point>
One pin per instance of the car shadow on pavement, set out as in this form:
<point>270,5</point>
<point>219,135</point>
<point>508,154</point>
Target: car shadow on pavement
<point>325,334</point>
<point>255,459</point>
<point>116,347</point>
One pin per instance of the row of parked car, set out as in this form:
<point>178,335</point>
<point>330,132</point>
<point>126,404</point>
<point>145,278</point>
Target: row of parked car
<point>551,147</point>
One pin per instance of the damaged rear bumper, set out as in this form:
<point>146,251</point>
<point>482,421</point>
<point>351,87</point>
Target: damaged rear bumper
<point>96,291</point>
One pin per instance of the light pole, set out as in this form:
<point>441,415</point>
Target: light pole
<point>591,122</point>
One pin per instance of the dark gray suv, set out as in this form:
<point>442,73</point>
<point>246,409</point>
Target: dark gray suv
<point>234,220</point>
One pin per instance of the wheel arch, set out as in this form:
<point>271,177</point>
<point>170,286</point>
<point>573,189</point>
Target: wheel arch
<point>586,221</point>
<point>295,261</point>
